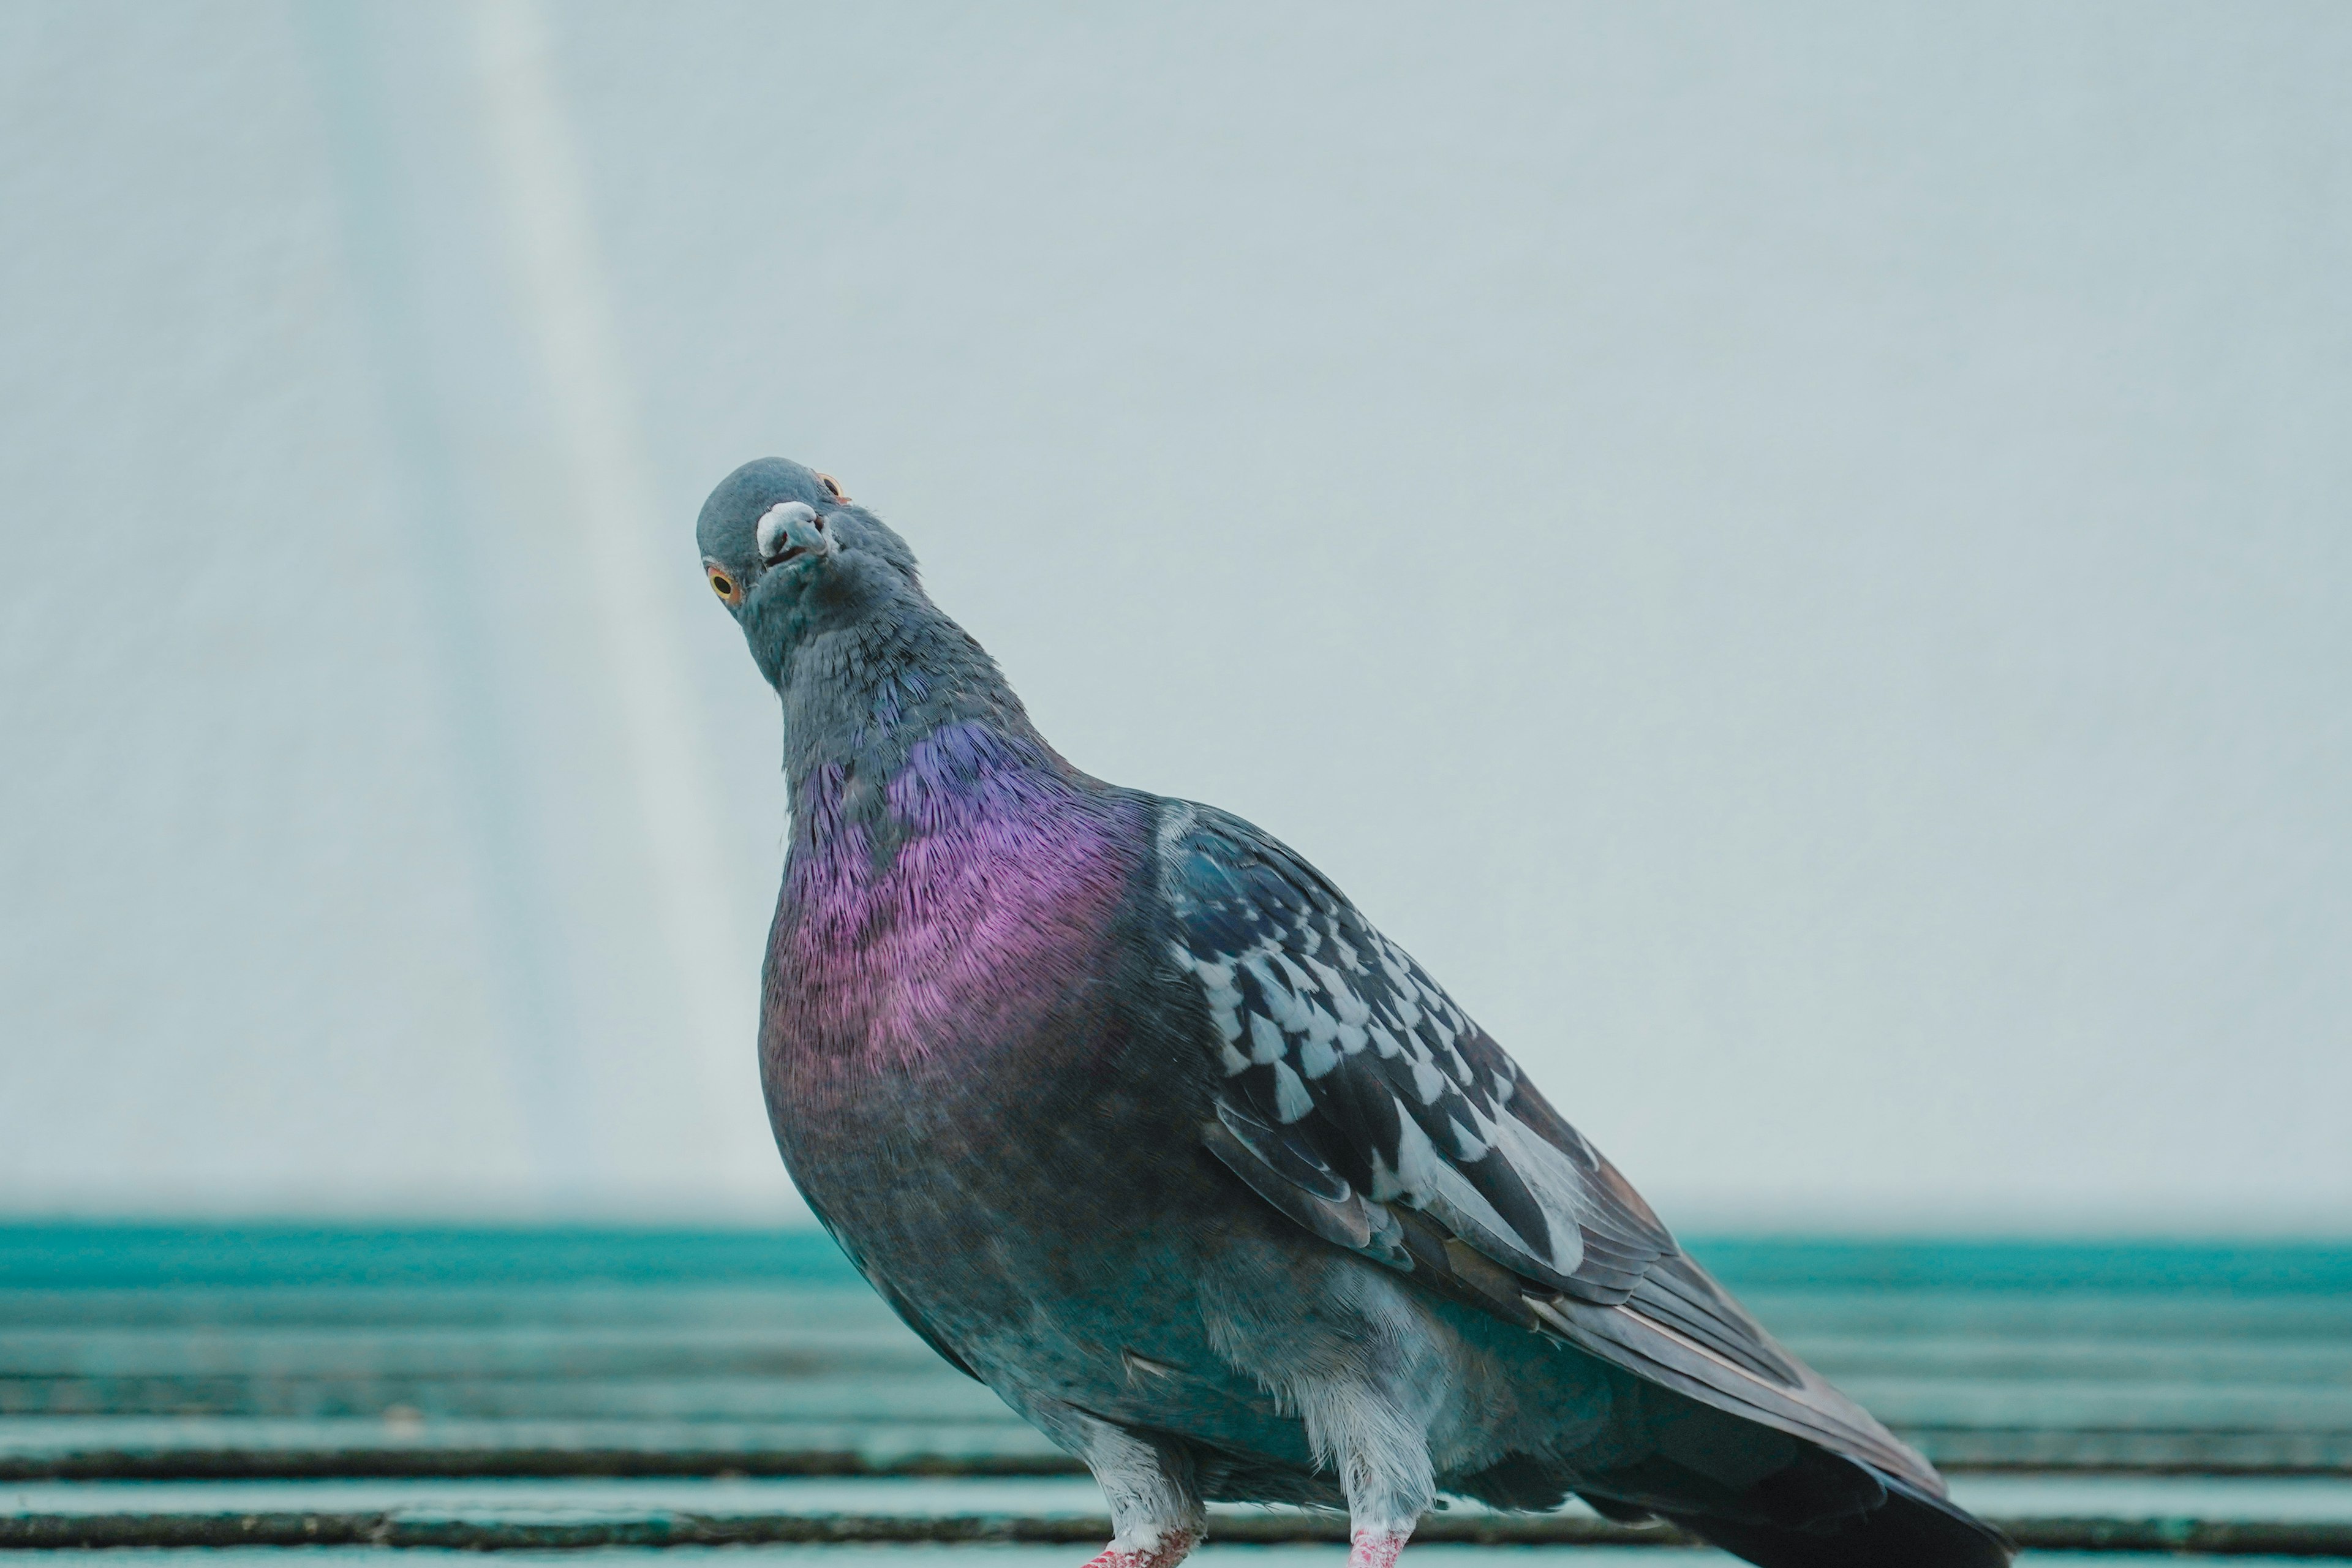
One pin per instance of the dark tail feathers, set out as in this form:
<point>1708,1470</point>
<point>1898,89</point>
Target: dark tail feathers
<point>1912,1528</point>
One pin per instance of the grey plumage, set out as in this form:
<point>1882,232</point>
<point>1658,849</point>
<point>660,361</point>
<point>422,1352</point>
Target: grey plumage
<point>1137,1120</point>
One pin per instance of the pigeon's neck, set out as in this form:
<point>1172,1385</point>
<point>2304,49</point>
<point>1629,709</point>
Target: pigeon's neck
<point>895,726</point>
<point>946,866</point>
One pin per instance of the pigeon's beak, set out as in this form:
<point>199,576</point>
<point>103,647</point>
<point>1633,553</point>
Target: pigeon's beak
<point>791,529</point>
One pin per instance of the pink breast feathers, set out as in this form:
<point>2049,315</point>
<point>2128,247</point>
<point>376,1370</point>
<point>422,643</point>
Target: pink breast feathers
<point>990,902</point>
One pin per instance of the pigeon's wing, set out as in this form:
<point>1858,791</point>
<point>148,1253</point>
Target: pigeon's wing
<point>1360,1102</point>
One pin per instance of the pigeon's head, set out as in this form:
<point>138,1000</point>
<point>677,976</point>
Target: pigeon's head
<point>789,555</point>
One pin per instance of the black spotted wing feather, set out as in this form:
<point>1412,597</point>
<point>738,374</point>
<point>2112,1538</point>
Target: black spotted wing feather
<point>1361,1102</point>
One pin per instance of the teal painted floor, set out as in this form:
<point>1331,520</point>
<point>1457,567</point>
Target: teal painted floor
<point>175,1374</point>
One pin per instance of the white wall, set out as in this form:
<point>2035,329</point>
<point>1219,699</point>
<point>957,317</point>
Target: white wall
<point>1796,556</point>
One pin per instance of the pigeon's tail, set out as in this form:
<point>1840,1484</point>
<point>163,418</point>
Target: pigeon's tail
<point>1912,1528</point>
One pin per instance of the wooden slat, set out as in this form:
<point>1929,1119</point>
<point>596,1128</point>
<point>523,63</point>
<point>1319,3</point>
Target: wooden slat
<point>2175,1537</point>
<point>2220,1517</point>
<point>2302,1363</point>
<point>879,1346</point>
<point>2137,1315</point>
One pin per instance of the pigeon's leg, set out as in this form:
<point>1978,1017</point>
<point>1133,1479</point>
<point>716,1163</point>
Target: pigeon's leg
<point>1156,1515</point>
<point>1382,1455</point>
<point>1363,1364</point>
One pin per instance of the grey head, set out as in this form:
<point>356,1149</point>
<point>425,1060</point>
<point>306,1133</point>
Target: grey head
<point>790,556</point>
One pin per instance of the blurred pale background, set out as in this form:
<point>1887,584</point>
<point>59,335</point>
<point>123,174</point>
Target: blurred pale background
<point>1795,555</point>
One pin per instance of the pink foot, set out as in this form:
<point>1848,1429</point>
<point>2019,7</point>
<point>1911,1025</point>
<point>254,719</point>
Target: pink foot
<point>1172,1550</point>
<point>1376,1548</point>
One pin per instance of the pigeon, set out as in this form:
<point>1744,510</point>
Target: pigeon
<point>1135,1118</point>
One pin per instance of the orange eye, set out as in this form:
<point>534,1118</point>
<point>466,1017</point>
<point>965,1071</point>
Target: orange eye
<point>834,486</point>
<point>721,585</point>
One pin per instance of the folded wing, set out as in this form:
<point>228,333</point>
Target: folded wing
<point>1361,1102</point>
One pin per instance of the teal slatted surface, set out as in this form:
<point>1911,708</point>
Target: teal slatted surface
<point>159,1371</point>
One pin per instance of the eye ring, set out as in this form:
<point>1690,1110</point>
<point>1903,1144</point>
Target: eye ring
<point>723,583</point>
<point>833,485</point>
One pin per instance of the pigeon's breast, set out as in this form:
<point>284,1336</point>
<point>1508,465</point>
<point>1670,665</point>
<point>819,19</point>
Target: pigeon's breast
<point>972,1070</point>
<point>953,921</point>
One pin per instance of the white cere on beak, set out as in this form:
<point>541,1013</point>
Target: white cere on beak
<point>780,517</point>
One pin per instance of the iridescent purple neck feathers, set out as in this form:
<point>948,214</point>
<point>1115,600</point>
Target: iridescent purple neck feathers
<point>950,874</point>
